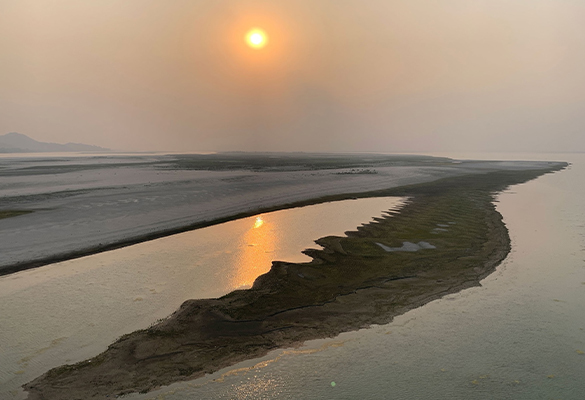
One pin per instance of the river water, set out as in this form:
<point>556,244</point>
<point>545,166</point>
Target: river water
<point>521,335</point>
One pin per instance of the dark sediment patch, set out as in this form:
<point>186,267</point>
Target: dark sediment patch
<point>13,213</point>
<point>350,284</point>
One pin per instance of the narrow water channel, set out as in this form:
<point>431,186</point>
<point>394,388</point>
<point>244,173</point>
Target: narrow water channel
<point>70,311</point>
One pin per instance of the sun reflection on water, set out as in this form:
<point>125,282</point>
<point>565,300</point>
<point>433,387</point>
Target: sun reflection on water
<point>256,248</point>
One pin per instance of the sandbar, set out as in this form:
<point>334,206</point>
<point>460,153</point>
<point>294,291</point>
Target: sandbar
<point>351,283</point>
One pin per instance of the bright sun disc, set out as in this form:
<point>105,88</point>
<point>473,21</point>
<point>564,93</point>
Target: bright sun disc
<point>256,38</point>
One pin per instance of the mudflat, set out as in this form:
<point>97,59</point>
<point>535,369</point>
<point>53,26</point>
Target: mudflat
<point>78,206</point>
<point>351,283</point>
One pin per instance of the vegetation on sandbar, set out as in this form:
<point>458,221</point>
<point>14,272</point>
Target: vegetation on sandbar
<point>13,213</point>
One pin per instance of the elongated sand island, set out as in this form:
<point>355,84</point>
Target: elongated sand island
<point>447,237</point>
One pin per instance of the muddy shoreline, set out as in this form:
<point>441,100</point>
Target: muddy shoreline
<point>350,284</point>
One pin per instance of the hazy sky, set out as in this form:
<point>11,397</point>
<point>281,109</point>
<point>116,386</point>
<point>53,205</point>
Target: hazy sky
<point>336,75</point>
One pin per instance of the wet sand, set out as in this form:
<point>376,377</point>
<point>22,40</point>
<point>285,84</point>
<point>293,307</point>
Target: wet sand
<point>351,284</point>
<point>78,206</point>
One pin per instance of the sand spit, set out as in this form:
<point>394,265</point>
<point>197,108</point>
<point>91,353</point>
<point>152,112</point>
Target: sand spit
<point>351,283</point>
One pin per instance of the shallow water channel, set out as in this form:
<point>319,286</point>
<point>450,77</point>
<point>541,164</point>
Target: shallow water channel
<point>520,336</point>
<point>69,311</point>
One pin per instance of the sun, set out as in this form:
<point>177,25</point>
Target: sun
<point>256,38</point>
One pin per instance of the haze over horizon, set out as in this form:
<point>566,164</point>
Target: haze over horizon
<point>334,76</point>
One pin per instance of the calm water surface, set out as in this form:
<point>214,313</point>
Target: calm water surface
<point>521,335</point>
<point>69,311</point>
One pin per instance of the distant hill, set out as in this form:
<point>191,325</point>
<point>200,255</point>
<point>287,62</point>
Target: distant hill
<point>18,143</point>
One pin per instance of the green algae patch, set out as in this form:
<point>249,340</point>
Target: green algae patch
<point>351,283</point>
